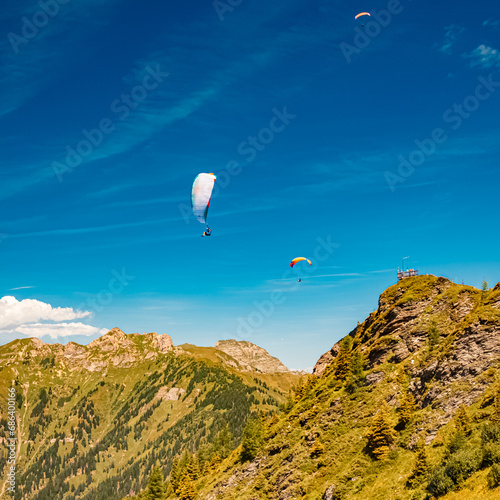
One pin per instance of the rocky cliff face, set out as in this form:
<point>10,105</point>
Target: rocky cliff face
<point>251,357</point>
<point>448,370</point>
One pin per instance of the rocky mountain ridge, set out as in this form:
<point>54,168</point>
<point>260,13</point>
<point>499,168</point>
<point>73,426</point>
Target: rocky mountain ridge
<point>118,349</point>
<point>399,329</point>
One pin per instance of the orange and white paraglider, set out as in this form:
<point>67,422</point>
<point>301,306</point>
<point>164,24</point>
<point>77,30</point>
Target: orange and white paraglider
<point>201,194</point>
<point>299,259</point>
<point>361,14</point>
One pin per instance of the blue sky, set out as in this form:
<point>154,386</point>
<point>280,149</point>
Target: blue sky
<point>352,142</point>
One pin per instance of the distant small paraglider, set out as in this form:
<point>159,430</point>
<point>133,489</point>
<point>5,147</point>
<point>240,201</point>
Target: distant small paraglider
<point>362,14</point>
<point>201,194</point>
<point>299,259</point>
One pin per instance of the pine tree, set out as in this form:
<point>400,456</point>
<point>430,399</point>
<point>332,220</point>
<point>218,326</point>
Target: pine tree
<point>462,421</point>
<point>290,401</point>
<point>433,335</point>
<point>356,373</point>
<point>175,478</point>
<point>193,468</point>
<point>222,443</point>
<point>310,383</point>
<point>273,420</point>
<point>214,463</point>
<point>317,449</point>
<point>406,409</point>
<point>381,433</point>
<point>252,438</point>
<point>156,486</point>
<point>341,368</point>
<point>484,289</point>
<point>356,365</point>
<point>300,390</point>
<point>421,467</point>
<point>187,489</point>
<point>495,416</point>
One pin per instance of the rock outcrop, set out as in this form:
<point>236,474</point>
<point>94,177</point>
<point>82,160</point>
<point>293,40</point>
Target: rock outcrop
<point>447,371</point>
<point>251,357</point>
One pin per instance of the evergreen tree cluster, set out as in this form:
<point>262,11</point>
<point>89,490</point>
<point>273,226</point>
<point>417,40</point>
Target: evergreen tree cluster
<point>252,438</point>
<point>348,366</point>
<point>463,456</point>
<point>381,434</point>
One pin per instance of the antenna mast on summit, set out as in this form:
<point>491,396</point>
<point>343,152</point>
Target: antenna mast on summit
<point>403,263</point>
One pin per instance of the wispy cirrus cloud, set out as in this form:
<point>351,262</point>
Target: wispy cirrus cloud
<point>32,55</point>
<point>452,34</point>
<point>495,23</point>
<point>92,229</point>
<point>166,105</point>
<point>484,56</point>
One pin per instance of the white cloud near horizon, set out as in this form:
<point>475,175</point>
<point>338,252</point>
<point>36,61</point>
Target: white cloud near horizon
<point>59,330</point>
<point>35,318</point>
<point>14,313</point>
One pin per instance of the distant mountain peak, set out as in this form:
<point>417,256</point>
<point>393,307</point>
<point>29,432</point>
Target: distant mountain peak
<point>116,332</point>
<point>250,356</point>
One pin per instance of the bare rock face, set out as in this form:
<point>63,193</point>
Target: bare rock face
<point>447,371</point>
<point>111,341</point>
<point>251,357</point>
<point>170,394</point>
<point>325,360</point>
<point>162,342</point>
<point>37,343</point>
<point>328,495</point>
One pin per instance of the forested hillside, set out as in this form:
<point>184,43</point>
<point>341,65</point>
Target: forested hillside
<point>95,419</point>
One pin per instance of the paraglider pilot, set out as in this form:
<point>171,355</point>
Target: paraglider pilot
<point>207,232</point>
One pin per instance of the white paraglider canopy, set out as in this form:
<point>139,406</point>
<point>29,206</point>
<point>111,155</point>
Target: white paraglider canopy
<point>201,194</point>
